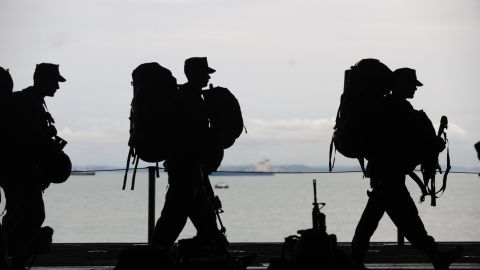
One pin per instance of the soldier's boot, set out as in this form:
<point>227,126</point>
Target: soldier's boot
<point>43,241</point>
<point>358,253</point>
<point>441,260</point>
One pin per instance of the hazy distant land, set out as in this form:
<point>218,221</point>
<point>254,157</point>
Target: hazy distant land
<point>271,168</point>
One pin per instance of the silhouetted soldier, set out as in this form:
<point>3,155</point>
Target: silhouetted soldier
<point>387,171</point>
<point>34,132</point>
<point>187,167</point>
<point>6,87</point>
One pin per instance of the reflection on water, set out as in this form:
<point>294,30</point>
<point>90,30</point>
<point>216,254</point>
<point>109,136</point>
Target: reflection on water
<point>257,208</point>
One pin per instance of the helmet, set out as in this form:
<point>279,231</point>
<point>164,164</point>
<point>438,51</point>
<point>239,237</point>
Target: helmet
<point>58,168</point>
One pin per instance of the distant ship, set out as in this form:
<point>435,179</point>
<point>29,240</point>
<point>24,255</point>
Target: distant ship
<point>262,168</point>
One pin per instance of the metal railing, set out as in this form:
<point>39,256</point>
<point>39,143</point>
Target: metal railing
<point>152,175</point>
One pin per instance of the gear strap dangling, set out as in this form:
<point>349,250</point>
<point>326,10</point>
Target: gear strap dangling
<point>447,169</point>
<point>130,154</point>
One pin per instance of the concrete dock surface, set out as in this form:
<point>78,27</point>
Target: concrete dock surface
<point>382,255</point>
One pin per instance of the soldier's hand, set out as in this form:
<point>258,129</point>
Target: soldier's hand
<point>217,204</point>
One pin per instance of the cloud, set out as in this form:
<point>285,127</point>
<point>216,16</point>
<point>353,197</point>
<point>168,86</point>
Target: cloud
<point>101,131</point>
<point>305,131</point>
<point>284,141</point>
<point>300,130</point>
<point>454,130</point>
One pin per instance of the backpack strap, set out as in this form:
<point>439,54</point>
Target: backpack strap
<point>362,165</point>
<point>420,184</point>
<point>447,170</point>
<point>49,117</point>
<point>333,150</point>
<point>331,163</point>
<point>135,159</point>
<point>441,131</point>
<point>130,154</point>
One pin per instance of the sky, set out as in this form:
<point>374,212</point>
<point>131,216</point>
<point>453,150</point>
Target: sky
<point>283,59</point>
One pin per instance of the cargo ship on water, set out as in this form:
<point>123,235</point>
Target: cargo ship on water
<point>262,168</point>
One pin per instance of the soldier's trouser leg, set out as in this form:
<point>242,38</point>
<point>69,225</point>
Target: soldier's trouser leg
<point>204,218</point>
<point>3,249</point>
<point>172,219</point>
<point>372,214</point>
<point>175,210</point>
<point>24,218</point>
<point>404,214</point>
<point>185,198</point>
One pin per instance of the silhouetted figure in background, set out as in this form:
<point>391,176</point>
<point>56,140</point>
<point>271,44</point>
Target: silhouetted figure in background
<point>34,132</point>
<point>6,87</point>
<point>387,171</point>
<point>188,168</point>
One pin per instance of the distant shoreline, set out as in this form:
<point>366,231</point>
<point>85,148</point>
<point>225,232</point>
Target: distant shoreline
<point>250,169</point>
<point>83,173</point>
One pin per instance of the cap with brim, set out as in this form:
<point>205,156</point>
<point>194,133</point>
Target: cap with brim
<point>49,71</point>
<point>406,75</point>
<point>61,78</point>
<point>210,70</point>
<point>198,64</point>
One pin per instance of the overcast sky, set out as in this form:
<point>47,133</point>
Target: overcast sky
<point>283,59</point>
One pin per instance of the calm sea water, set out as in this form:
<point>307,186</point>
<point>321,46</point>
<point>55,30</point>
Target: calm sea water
<point>257,208</point>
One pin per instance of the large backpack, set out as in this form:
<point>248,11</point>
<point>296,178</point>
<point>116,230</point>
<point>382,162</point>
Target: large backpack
<point>226,121</point>
<point>358,121</point>
<point>152,108</point>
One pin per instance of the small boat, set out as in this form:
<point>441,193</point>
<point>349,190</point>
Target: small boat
<point>221,185</point>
